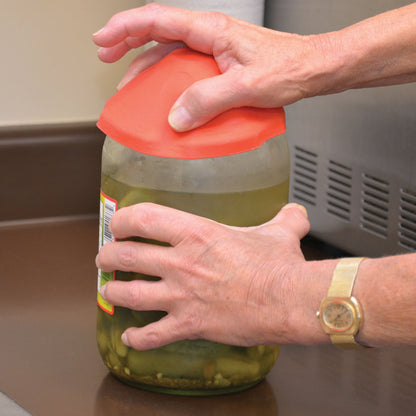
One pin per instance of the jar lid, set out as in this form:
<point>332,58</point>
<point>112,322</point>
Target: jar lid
<point>137,115</point>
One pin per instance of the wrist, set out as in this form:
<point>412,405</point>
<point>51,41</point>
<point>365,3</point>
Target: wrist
<point>310,285</point>
<point>377,51</point>
<point>369,293</point>
<point>334,62</point>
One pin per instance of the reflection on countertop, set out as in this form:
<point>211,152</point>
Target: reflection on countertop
<point>113,397</point>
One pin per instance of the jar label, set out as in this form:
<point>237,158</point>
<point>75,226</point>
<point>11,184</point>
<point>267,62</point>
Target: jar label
<point>108,207</point>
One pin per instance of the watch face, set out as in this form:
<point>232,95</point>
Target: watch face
<point>338,316</point>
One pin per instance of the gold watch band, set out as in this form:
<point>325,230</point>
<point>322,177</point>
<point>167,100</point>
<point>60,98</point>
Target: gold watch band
<point>344,277</point>
<point>341,286</point>
<point>346,342</point>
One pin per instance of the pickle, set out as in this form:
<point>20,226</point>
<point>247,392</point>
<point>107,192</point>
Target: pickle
<point>119,347</point>
<point>114,361</point>
<point>197,348</point>
<point>209,369</point>
<point>143,318</point>
<point>102,341</point>
<point>256,353</point>
<point>171,365</point>
<point>269,358</point>
<point>230,366</point>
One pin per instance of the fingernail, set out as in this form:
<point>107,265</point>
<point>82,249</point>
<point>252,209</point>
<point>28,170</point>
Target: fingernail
<point>120,85</point>
<point>124,339</point>
<point>98,31</point>
<point>299,206</point>
<point>180,119</point>
<point>103,289</point>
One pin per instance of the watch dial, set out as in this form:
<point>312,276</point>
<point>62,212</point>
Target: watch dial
<point>338,316</point>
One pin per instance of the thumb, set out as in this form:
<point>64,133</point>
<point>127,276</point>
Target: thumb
<point>292,217</point>
<point>204,100</point>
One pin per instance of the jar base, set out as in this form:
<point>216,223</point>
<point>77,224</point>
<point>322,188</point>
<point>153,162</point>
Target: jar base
<point>188,392</point>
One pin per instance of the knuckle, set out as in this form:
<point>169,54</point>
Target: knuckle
<point>142,215</point>
<point>197,238</point>
<point>127,257</point>
<point>206,246</point>
<point>245,85</point>
<point>219,21</point>
<point>118,19</point>
<point>153,7</point>
<point>247,81</point>
<point>201,236</point>
<point>153,338</point>
<point>133,295</point>
<point>192,326</point>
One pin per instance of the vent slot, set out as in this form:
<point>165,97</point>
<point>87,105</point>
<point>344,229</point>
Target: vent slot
<point>339,190</point>
<point>305,176</point>
<point>375,205</point>
<point>407,219</point>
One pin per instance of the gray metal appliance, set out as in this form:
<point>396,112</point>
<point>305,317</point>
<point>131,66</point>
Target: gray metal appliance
<point>353,154</point>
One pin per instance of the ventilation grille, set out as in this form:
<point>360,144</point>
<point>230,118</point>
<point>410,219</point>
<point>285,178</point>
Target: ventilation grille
<point>375,205</point>
<point>407,219</point>
<point>305,176</point>
<point>339,191</point>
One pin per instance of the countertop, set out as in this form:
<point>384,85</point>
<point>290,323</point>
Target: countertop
<point>49,362</point>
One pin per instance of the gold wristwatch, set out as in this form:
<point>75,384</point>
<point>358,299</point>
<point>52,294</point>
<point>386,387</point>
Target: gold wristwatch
<point>340,313</point>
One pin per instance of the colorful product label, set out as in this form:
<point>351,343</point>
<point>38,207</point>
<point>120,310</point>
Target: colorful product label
<point>108,207</point>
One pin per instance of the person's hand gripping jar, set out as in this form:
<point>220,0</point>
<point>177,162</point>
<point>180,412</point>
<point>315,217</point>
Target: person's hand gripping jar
<point>234,170</point>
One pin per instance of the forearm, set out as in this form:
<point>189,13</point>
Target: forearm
<point>377,51</point>
<point>385,288</point>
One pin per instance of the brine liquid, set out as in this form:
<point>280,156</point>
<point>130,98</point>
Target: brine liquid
<point>247,208</point>
<point>188,367</point>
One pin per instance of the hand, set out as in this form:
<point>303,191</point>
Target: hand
<point>221,283</point>
<point>259,67</point>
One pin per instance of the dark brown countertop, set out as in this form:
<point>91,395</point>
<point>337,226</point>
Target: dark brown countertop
<point>50,365</point>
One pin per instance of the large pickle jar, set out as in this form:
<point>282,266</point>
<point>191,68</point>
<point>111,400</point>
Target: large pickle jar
<point>234,170</point>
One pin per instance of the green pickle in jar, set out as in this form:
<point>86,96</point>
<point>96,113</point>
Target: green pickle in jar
<point>197,366</point>
<point>233,170</point>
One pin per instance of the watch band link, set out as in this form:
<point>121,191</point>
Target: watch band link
<point>347,342</point>
<point>344,277</point>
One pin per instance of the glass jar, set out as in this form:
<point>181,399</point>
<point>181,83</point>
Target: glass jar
<point>244,186</point>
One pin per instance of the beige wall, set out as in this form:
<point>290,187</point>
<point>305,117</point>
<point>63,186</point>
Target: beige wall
<point>48,66</point>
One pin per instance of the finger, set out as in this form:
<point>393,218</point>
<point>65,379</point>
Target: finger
<point>147,59</point>
<point>116,52</point>
<point>293,218</point>
<point>157,222</point>
<point>138,295</point>
<point>157,334</point>
<point>208,98</point>
<point>162,24</point>
<point>133,256</point>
